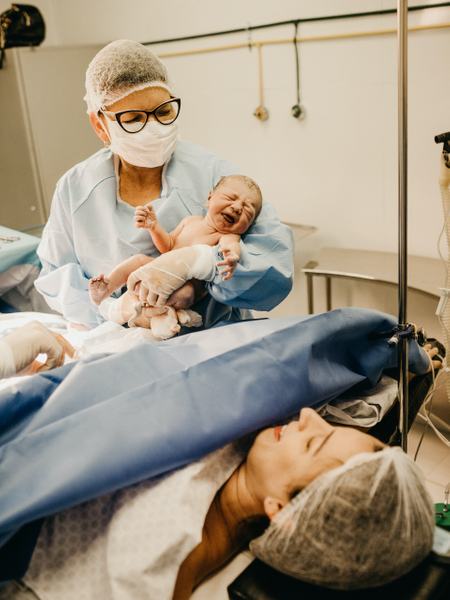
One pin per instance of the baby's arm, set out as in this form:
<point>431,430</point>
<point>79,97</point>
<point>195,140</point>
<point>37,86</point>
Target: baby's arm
<point>145,218</point>
<point>229,245</point>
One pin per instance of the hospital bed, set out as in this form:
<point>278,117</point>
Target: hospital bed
<point>429,581</point>
<point>216,586</point>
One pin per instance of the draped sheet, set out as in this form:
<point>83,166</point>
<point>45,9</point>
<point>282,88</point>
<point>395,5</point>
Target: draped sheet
<point>92,427</point>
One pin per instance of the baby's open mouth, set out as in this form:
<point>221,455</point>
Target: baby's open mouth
<point>228,218</point>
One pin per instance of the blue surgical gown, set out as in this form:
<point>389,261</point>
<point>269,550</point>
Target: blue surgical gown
<point>90,230</point>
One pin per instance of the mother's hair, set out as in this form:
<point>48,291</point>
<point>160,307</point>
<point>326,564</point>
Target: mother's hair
<point>357,526</point>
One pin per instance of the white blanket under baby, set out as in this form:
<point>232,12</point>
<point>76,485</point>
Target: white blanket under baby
<point>130,544</point>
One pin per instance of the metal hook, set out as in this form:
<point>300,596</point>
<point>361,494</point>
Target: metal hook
<point>261,111</point>
<point>296,110</point>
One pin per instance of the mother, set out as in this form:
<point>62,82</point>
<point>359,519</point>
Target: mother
<point>91,224</point>
<point>340,504</point>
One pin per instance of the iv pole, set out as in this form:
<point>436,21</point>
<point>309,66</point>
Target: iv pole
<point>402,40</point>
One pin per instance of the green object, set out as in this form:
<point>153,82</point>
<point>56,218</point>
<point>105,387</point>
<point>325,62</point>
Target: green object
<point>442,517</point>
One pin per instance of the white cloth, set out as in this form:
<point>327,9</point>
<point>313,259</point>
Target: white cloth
<point>364,410</point>
<point>7,364</point>
<point>17,288</point>
<point>130,544</point>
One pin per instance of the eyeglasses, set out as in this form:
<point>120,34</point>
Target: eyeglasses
<point>133,121</point>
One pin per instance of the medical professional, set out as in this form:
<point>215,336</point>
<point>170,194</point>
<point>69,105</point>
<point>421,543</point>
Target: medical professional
<point>91,229</point>
<point>19,348</point>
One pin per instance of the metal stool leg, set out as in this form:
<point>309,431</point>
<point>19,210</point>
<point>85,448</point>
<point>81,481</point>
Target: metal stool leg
<point>328,292</point>
<point>310,293</point>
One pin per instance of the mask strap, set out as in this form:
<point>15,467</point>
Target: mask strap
<point>105,129</point>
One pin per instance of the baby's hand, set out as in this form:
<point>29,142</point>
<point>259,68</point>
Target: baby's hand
<point>145,217</point>
<point>229,262</point>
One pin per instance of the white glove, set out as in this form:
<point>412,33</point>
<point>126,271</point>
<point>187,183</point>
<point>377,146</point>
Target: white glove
<point>160,278</point>
<point>19,348</point>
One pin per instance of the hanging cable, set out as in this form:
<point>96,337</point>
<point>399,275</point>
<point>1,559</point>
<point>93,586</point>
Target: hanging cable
<point>296,110</point>
<point>261,111</point>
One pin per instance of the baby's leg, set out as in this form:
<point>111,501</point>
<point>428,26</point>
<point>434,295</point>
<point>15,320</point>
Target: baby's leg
<point>119,310</point>
<point>103,286</point>
<point>142,314</point>
<point>165,326</point>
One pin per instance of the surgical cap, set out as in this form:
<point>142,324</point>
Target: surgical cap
<point>119,69</point>
<point>360,525</point>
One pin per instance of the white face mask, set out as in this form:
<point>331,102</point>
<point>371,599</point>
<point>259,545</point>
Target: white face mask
<point>150,147</point>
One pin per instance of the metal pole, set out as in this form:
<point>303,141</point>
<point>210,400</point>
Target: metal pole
<point>402,29</point>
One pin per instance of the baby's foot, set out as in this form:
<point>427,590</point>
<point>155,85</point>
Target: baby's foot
<point>99,288</point>
<point>165,326</point>
<point>189,318</point>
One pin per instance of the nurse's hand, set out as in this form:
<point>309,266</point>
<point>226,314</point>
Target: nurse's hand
<point>156,281</point>
<point>32,339</point>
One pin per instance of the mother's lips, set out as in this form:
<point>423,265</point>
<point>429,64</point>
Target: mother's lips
<point>278,431</point>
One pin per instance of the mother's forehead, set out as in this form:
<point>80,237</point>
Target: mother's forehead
<point>353,436</point>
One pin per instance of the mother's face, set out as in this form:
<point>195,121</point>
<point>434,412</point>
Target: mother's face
<point>285,459</point>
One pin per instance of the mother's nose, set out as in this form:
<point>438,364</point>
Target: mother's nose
<point>308,417</point>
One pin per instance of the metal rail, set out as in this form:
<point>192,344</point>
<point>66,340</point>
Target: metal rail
<point>373,13</point>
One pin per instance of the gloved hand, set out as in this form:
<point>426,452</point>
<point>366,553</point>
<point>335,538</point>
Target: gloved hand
<point>157,280</point>
<point>22,346</point>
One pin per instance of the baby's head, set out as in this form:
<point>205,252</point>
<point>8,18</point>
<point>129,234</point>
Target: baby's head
<point>234,204</point>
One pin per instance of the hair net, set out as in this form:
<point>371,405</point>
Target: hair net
<point>120,68</point>
<point>360,525</point>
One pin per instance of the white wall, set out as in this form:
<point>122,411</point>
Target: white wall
<point>336,168</point>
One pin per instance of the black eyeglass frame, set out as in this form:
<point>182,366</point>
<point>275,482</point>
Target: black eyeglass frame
<point>148,113</point>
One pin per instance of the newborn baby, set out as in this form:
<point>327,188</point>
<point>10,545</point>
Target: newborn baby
<point>233,205</point>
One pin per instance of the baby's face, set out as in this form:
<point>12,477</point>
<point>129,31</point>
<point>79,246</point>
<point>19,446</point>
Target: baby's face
<point>233,207</point>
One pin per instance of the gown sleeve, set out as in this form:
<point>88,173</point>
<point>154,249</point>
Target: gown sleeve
<point>264,273</point>
<point>62,281</point>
